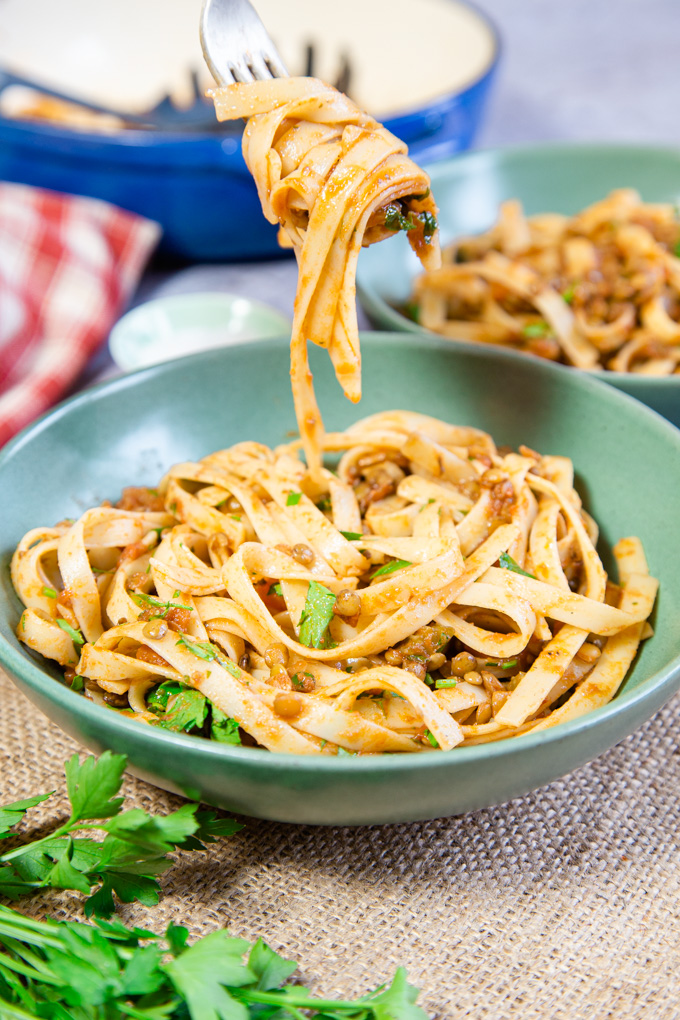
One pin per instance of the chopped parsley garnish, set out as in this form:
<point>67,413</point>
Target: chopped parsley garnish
<point>412,311</point>
<point>536,329</point>
<point>223,728</point>
<point>429,224</point>
<point>235,517</point>
<point>444,683</point>
<point>298,683</point>
<point>75,635</point>
<point>181,708</point>
<point>77,683</point>
<point>316,616</point>
<point>324,504</point>
<point>395,219</point>
<point>506,561</point>
<point>293,498</point>
<point>352,536</point>
<point>202,649</point>
<point>49,593</point>
<point>417,198</point>
<point>342,753</point>
<point>162,608</point>
<point>676,249</point>
<point>568,294</point>
<point>275,589</point>
<point>431,739</point>
<point>389,568</point>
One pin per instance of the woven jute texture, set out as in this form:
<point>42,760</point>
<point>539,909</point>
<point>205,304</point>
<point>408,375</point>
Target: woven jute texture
<point>561,905</point>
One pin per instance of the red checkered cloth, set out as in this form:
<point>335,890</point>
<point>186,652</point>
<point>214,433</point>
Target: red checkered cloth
<point>67,268</point>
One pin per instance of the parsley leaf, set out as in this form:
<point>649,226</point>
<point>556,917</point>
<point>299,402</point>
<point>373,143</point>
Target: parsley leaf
<point>537,329</point>
<point>395,219</point>
<point>429,224</point>
<point>202,971</point>
<point>12,814</point>
<point>163,608</point>
<point>92,784</point>
<point>270,969</point>
<point>316,616</point>
<point>352,536</point>
<point>506,561</point>
<point>223,728</point>
<point>388,568</point>
<point>186,711</point>
<point>202,649</point>
<point>293,498</point>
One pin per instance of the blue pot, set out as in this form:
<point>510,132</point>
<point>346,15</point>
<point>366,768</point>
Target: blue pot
<point>198,187</point>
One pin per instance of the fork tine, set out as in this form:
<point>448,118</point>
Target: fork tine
<point>235,43</point>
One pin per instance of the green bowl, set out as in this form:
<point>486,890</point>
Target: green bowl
<point>129,430</point>
<point>546,178</point>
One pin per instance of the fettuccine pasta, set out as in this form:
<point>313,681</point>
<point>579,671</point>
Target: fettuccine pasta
<point>334,179</point>
<point>597,290</point>
<point>431,591</point>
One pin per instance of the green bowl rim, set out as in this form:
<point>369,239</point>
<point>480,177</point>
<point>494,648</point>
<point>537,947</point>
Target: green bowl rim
<point>379,309</point>
<point>663,681</point>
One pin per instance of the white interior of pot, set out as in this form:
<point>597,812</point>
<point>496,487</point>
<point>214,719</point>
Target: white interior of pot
<point>129,53</point>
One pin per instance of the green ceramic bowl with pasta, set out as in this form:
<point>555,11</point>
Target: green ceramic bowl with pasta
<point>130,431</point>
<point>563,179</point>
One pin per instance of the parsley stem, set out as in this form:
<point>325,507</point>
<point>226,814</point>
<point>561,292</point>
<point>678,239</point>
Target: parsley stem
<point>11,922</point>
<point>7,963</point>
<point>301,1001</point>
<point>64,830</point>
<point>10,1012</point>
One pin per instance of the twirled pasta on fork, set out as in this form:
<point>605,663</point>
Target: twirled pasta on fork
<point>431,591</point>
<point>334,179</point>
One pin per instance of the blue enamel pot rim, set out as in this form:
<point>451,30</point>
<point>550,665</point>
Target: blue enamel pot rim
<point>662,683</point>
<point>207,147</point>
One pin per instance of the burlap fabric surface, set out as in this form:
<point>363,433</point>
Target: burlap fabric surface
<point>561,905</point>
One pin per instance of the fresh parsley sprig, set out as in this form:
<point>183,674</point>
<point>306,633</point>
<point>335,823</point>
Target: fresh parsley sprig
<point>133,852</point>
<point>63,970</point>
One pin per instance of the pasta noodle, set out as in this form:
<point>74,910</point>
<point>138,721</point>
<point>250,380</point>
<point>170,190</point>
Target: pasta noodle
<point>432,592</point>
<point>334,179</point>
<point>597,290</point>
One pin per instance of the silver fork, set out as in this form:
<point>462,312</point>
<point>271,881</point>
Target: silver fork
<point>236,45</point>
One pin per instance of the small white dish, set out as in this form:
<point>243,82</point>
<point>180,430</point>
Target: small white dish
<point>172,327</point>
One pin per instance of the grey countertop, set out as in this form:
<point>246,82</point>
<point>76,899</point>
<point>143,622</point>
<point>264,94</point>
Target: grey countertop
<point>591,70</point>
